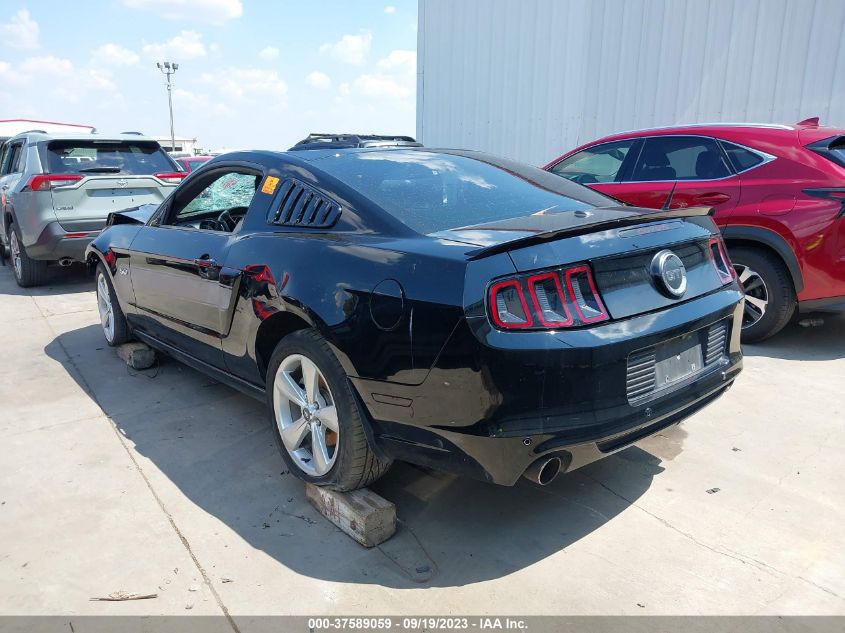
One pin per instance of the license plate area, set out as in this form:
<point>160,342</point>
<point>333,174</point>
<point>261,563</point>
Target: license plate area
<point>677,360</point>
<point>661,368</point>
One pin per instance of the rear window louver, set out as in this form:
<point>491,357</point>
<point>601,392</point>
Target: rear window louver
<point>301,205</point>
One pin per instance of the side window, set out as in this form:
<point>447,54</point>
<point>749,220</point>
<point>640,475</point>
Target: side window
<point>11,161</point>
<point>742,159</point>
<point>4,154</point>
<point>600,163</point>
<point>219,205</point>
<point>680,158</point>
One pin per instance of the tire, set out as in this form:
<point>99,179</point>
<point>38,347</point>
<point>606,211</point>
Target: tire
<point>760,267</point>
<point>28,272</point>
<point>112,319</point>
<point>348,462</point>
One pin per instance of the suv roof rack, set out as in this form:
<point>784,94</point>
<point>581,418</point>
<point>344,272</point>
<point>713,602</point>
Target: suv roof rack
<point>322,140</point>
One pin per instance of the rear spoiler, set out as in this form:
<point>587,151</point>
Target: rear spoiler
<point>591,227</point>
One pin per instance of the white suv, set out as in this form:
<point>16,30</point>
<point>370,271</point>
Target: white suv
<point>56,192</point>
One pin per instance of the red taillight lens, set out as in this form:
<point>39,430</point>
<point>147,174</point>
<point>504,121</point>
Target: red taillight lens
<point>45,182</point>
<point>721,261</point>
<point>582,288</point>
<point>549,300</point>
<point>553,304</point>
<point>171,177</point>
<point>508,306</point>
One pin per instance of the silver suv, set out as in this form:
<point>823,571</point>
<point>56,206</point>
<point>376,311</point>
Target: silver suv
<point>57,190</point>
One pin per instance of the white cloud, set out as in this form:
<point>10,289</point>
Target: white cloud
<point>350,49</point>
<point>246,83</point>
<point>344,89</point>
<point>47,65</point>
<point>399,61</point>
<point>270,53</point>
<point>185,45</point>
<point>390,9</point>
<point>210,11</point>
<point>318,80</point>
<point>66,82</point>
<point>21,31</point>
<point>114,55</point>
<point>199,102</point>
<point>394,79</point>
<point>381,87</point>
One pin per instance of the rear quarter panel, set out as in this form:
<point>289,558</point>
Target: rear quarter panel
<point>330,281</point>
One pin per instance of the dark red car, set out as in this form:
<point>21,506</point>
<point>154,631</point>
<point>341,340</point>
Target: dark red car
<point>190,163</point>
<point>779,197</point>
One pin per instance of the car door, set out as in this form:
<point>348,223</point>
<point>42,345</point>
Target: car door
<point>692,169</point>
<point>183,294</point>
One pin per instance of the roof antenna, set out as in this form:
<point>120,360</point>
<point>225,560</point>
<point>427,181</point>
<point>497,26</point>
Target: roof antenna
<point>666,204</point>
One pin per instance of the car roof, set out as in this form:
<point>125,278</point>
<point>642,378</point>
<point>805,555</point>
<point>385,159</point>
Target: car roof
<point>37,135</point>
<point>320,140</point>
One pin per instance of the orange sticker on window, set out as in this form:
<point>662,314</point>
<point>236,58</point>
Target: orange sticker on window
<point>269,186</point>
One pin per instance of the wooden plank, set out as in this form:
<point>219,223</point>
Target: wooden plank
<point>362,514</point>
<point>137,355</point>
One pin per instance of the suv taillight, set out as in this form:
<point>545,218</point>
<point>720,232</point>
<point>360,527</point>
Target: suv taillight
<point>45,182</point>
<point>171,177</point>
<point>719,256</point>
<point>558,299</point>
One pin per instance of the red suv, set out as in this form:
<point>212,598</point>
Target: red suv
<point>779,197</point>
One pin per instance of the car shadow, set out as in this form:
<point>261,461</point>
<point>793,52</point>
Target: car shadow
<point>825,341</point>
<point>60,280</point>
<point>215,446</point>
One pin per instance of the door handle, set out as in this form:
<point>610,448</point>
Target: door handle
<point>715,197</point>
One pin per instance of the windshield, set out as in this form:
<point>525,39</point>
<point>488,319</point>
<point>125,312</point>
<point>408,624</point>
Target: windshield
<point>106,157</point>
<point>436,191</point>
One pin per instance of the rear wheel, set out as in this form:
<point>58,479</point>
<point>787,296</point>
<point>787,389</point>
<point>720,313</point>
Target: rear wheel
<point>28,272</point>
<point>316,419</point>
<point>769,294</point>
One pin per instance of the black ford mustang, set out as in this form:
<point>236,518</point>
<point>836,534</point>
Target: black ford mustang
<point>446,308</point>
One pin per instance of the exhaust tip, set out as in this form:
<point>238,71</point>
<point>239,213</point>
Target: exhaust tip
<point>544,470</point>
<point>64,262</point>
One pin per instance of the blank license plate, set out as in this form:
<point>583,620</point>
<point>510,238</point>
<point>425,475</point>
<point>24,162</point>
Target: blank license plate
<point>678,359</point>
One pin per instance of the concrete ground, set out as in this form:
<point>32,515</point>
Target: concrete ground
<point>167,482</point>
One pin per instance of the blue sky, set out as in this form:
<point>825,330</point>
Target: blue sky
<point>252,73</point>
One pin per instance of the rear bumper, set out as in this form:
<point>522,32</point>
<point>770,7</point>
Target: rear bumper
<point>521,397</point>
<point>55,243</point>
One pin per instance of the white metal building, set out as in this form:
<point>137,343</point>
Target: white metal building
<point>529,79</point>
<point>183,144</point>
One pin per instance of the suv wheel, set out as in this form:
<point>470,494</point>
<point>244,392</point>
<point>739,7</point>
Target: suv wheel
<point>769,294</point>
<point>316,420</point>
<point>28,272</point>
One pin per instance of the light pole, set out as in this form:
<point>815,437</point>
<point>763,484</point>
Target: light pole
<point>168,69</point>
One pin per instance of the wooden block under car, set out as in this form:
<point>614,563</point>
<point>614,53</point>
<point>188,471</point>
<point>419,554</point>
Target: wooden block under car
<point>137,355</point>
<point>362,514</point>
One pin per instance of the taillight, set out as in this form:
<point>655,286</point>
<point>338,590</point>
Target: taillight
<point>45,182</point>
<point>508,306</point>
<point>549,300</point>
<point>719,255</point>
<point>171,177</point>
<point>559,299</point>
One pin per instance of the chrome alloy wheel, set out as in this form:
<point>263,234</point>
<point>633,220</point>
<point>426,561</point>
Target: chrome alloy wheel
<point>306,415</point>
<point>105,307</point>
<point>15,249</point>
<point>756,294</point>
